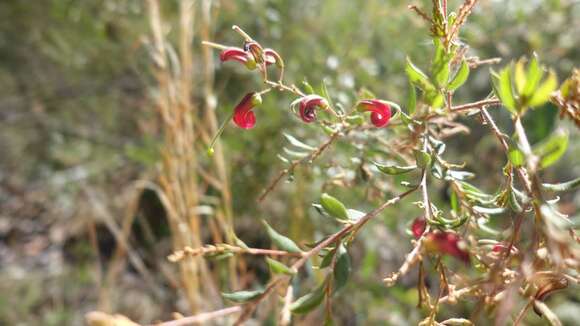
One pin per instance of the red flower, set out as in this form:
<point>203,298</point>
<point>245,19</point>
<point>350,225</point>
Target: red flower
<point>447,243</point>
<point>308,105</point>
<point>239,55</point>
<point>243,115</point>
<point>418,227</point>
<point>380,111</point>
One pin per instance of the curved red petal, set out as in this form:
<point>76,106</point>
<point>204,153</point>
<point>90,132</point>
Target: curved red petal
<point>243,115</point>
<point>380,111</point>
<point>308,106</point>
<point>449,243</point>
<point>234,54</point>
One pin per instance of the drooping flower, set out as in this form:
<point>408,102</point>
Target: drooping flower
<point>243,115</point>
<point>418,227</point>
<point>239,55</point>
<point>380,111</point>
<point>308,105</point>
<point>447,243</point>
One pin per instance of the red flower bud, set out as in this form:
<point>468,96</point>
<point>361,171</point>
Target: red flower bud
<point>380,111</point>
<point>239,55</point>
<point>308,106</point>
<point>447,243</point>
<point>418,227</point>
<point>243,115</point>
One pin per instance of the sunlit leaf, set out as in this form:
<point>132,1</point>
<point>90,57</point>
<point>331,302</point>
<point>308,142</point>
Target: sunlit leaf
<point>520,75</point>
<point>333,207</point>
<point>422,158</point>
<point>460,78</point>
<point>533,77</point>
<point>552,149</point>
<point>542,94</point>
<point>411,99</point>
<point>502,87</point>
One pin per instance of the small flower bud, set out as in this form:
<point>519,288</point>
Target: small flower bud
<point>380,111</point>
<point>418,227</point>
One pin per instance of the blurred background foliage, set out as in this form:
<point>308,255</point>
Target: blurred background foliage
<point>76,117</point>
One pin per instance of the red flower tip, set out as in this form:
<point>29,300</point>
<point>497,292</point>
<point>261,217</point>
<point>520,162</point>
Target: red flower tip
<point>239,55</point>
<point>243,115</point>
<point>380,111</point>
<point>273,57</point>
<point>418,227</point>
<point>447,243</point>
<point>308,106</point>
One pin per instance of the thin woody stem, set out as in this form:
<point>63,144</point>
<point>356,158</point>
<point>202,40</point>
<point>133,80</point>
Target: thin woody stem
<point>214,45</point>
<point>240,31</point>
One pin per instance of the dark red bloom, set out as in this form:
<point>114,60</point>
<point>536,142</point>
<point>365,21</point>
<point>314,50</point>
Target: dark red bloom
<point>308,105</point>
<point>243,115</point>
<point>380,111</point>
<point>418,227</point>
<point>239,55</point>
<point>447,243</point>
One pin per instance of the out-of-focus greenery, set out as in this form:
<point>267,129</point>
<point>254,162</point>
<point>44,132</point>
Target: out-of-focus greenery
<point>74,109</point>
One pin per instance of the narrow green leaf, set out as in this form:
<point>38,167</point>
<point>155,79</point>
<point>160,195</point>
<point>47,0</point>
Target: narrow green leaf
<point>342,268</point>
<point>243,296</point>
<point>327,259</point>
<point>307,87</point>
<point>308,302</point>
<point>278,268</point>
<point>489,210</point>
<point>533,77</point>
<point>520,76</point>
<point>394,169</point>
<point>454,201</point>
<point>564,186</point>
<point>542,93</point>
<point>552,149</point>
<point>334,207</point>
<point>460,78</point>
<point>503,88</point>
<point>411,100</point>
<point>281,241</point>
<point>417,77</point>
<point>515,155</point>
<point>423,158</point>
<point>297,143</point>
<point>459,175</point>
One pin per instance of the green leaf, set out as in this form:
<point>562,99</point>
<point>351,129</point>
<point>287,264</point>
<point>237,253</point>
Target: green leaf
<point>502,87</point>
<point>489,210</point>
<point>342,268</point>
<point>454,201</point>
<point>520,76</point>
<point>327,259</point>
<point>542,93</point>
<point>278,268</point>
<point>281,241</point>
<point>242,296</point>
<point>423,158</point>
<point>297,143</point>
<point>460,78</point>
<point>440,66</point>
<point>552,149</point>
<point>411,100</point>
<point>533,77</point>
<point>515,155</point>
<point>333,207</point>
<point>394,169</point>
<point>564,186</point>
<point>417,77</point>
<point>307,87</point>
<point>308,302</point>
